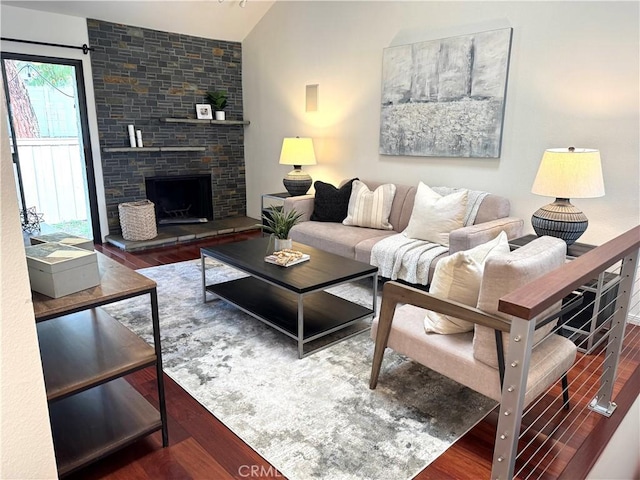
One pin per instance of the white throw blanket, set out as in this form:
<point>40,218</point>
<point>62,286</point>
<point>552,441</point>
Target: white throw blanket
<point>399,257</point>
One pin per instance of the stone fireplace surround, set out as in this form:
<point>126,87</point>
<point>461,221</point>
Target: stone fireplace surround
<point>144,76</point>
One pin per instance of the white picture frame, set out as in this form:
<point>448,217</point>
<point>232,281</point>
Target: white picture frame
<point>204,111</point>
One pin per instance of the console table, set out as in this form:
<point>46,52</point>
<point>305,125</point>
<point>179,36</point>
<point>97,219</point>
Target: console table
<point>600,294</point>
<point>85,353</point>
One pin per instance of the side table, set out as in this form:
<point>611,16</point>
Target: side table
<point>270,201</point>
<point>267,200</point>
<point>587,326</point>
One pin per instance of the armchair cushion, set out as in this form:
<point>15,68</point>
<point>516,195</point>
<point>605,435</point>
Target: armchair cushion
<point>458,277</point>
<point>505,273</point>
<point>433,215</point>
<point>330,203</point>
<point>370,209</point>
<point>452,355</point>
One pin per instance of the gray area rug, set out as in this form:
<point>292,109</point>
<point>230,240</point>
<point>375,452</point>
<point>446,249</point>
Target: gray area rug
<point>313,418</point>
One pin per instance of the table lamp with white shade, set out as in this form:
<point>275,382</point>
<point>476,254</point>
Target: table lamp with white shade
<point>566,173</point>
<point>297,152</point>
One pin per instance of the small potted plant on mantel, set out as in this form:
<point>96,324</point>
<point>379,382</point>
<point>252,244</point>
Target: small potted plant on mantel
<point>218,100</point>
<point>279,223</point>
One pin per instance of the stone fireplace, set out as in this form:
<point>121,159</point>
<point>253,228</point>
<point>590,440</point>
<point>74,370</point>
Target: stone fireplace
<point>146,77</point>
<point>181,199</point>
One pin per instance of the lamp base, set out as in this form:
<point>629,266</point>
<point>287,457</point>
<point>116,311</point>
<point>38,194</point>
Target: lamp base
<point>560,219</point>
<point>297,182</point>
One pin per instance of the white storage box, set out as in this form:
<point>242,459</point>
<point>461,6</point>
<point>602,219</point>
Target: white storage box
<point>65,239</point>
<point>57,270</point>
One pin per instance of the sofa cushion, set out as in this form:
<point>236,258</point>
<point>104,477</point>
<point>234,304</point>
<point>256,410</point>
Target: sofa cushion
<point>492,208</point>
<point>330,203</point>
<point>506,273</point>
<point>433,216</point>
<point>334,237</point>
<point>402,204</point>
<point>457,277</point>
<point>370,209</point>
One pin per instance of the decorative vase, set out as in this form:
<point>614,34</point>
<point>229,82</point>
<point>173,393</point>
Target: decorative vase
<point>282,244</point>
<point>220,115</point>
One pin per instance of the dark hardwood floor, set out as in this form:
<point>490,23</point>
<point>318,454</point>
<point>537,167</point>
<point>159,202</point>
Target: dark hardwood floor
<point>201,447</point>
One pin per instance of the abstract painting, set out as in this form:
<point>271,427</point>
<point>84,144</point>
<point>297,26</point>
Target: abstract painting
<point>445,98</point>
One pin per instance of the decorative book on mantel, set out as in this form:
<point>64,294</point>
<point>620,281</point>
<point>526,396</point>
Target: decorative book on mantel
<point>286,258</point>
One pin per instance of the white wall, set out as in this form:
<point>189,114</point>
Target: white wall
<point>26,446</point>
<point>38,26</point>
<point>613,464</point>
<point>573,80</point>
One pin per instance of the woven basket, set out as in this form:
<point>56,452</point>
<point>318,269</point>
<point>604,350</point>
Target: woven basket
<point>138,220</point>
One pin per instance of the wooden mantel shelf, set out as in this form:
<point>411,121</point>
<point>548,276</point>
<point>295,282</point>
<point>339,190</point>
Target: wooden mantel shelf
<point>153,149</point>
<point>196,121</point>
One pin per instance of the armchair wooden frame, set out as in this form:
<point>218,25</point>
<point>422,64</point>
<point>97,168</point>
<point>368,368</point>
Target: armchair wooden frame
<point>395,293</point>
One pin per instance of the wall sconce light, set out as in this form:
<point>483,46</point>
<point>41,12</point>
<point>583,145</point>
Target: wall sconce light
<point>311,98</point>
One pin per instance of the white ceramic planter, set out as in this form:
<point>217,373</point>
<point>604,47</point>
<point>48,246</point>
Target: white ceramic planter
<point>283,243</point>
<point>220,115</point>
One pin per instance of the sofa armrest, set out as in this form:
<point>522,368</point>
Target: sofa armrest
<point>468,237</point>
<point>302,204</point>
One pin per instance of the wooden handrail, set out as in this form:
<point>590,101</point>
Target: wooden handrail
<point>532,299</point>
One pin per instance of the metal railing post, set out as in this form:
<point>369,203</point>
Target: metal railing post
<point>512,402</point>
<point>602,402</point>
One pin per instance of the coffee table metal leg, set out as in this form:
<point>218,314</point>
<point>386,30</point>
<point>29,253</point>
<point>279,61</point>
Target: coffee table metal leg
<point>300,327</point>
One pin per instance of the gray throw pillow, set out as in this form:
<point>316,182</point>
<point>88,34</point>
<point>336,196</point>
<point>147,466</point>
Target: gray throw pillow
<point>331,203</point>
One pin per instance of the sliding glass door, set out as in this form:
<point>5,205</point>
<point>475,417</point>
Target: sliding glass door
<point>50,144</point>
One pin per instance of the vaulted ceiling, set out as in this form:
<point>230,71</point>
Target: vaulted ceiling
<point>222,20</point>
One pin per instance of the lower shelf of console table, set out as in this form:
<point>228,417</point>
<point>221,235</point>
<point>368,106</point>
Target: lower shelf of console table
<point>105,419</point>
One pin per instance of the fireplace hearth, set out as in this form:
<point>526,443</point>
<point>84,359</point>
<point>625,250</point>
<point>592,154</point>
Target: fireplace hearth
<point>181,199</point>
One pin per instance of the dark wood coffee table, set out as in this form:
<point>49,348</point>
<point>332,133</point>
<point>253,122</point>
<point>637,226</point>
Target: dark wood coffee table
<point>293,299</point>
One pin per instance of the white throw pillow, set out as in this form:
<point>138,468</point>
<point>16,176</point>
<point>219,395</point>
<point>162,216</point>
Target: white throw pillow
<point>434,216</point>
<point>370,209</point>
<point>458,277</point>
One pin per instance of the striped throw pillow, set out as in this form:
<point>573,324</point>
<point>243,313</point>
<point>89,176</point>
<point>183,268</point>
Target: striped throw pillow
<point>370,209</point>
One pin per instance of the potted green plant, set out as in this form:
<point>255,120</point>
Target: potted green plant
<point>218,100</point>
<point>279,223</point>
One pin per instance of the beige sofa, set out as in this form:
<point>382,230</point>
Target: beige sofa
<point>357,242</point>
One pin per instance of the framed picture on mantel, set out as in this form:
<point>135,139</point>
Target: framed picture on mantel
<point>203,111</point>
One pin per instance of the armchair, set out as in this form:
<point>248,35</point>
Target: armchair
<point>475,359</point>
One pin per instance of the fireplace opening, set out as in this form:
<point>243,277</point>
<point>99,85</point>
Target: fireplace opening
<point>181,199</point>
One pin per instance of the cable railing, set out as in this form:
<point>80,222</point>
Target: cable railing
<point>537,442</point>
